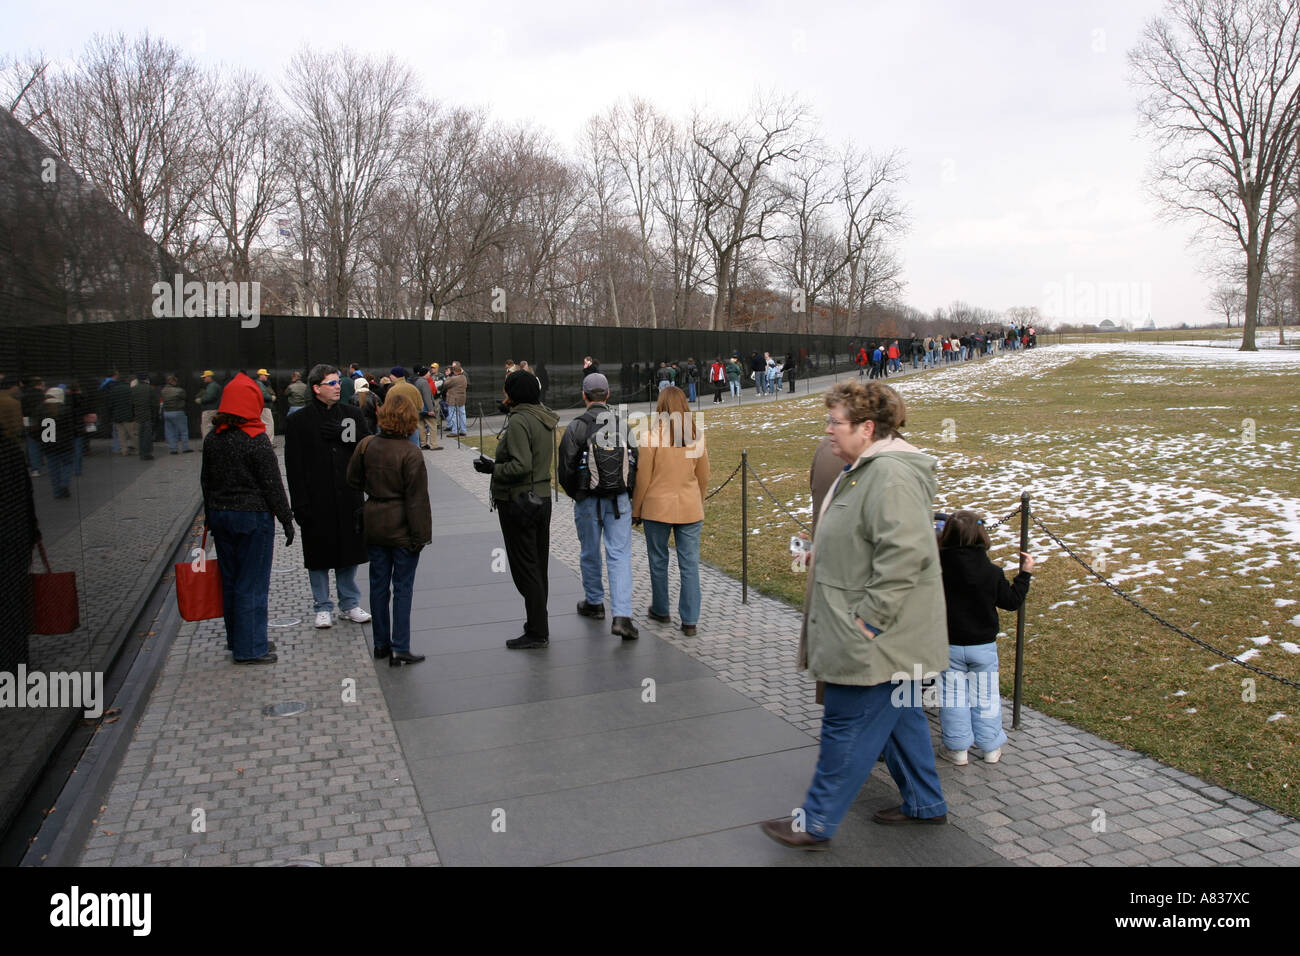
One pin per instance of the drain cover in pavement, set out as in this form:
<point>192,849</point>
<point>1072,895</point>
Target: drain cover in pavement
<point>285,709</point>
<point>300,863</point>
<point>284,622</point>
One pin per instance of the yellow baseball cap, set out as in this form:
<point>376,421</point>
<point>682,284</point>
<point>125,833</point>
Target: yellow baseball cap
<point>209,374</point>
<point>262,371</point>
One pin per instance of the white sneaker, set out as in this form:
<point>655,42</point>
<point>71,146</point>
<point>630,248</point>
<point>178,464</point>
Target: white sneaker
<point>993,756</point>
<point>357,614</point>
<point>324,619</point>
<point>958,757</point>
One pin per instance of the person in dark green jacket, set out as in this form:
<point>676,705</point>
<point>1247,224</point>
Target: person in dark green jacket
<point>208,400</point>
<point>525,451</point>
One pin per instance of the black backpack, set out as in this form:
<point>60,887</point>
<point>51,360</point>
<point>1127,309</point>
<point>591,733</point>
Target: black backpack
<point>608,465</point>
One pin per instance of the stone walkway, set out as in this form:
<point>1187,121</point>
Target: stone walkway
<point>557,757</point>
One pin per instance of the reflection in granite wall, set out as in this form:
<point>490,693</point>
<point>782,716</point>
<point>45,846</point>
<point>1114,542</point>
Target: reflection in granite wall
<point>68,259</point>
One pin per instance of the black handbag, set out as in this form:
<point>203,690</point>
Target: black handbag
<point>532,508</point>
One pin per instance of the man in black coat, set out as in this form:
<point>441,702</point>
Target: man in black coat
<point>144,402</point>
<point>318,444</point>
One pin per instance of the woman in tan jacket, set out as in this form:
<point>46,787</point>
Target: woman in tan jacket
<point>672,473</point>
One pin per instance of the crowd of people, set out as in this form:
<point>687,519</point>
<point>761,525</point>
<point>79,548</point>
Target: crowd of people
<point>358,492</point>
<point>882,359</point>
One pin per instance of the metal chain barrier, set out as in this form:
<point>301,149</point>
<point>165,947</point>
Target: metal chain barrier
<point>1157,618</point>
<point>733,474</point>
<point>1003,520</point>
<point>776,501</point>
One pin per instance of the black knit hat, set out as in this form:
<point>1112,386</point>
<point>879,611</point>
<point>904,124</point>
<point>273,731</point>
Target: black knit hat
<point>523,388</point>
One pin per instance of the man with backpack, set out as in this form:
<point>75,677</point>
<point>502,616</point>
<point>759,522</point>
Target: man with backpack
<point>597,469</point>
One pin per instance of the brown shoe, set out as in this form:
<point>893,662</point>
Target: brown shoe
<point>784,833</point>
<point>896,815</point>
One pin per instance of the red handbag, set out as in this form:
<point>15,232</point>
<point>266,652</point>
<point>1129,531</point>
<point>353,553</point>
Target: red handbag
<point>54,600</point>
<point>198,592</point>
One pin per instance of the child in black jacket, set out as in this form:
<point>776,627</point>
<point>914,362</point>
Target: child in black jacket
<point>974,588</point>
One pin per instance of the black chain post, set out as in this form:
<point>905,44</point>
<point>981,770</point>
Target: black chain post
<point>744,526</point>
<point>1020,616</point>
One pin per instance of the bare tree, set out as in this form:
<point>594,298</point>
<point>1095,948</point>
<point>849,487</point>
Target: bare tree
<point>1227,299</point>
<point>681,218</point>
<point>736,189</point>
<point>807,255</point>
<point>1222,99</point>
<point>872,218</point>
<point>603,184</point>
<point>131,119</point>
<point>638,138</point>
<point>250,182</point>
<point>455,202</point>
<point>22,87</point>
<point>349,116</point>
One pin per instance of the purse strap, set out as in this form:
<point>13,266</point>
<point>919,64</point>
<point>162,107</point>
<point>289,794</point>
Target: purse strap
<point>44,557</point>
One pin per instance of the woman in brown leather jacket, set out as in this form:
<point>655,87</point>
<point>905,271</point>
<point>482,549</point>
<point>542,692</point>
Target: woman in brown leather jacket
<point>398,523</point>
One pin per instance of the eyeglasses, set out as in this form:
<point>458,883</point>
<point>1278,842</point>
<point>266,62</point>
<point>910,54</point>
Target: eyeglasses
<point>836,423</point>
<point>331,382</point>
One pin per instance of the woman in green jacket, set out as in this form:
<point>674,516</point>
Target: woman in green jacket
<point>876,621</point>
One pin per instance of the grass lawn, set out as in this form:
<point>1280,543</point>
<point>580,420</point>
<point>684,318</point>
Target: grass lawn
<point>1173,470</point>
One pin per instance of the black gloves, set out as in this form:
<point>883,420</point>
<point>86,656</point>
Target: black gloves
<point>483,465</point>
<point>288,533</point>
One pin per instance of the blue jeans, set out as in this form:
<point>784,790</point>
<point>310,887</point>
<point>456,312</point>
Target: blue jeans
<point>58,459</point>
<point>78,453</point>
<point>735,386</point>
<point>593,518</point>
<point>36,453</point>
<point>245,541</point>
<point>345,579</point>
<point>970,709</point>
<point>456,419</point>
<point>687,538</point>
<point>396,566</point>
<point>176,426</point>
<point>857,725</point>
<point>690,392</point>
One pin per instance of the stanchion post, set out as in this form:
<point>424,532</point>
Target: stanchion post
<point>1020,618</point>
<point>744,527</point>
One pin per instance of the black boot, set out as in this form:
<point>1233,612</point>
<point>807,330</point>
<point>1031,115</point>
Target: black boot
<point>596,611</point>
<point>398,658</point>
<point>624,628</point>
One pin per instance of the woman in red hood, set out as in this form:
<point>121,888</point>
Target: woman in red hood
<point>242,498</point>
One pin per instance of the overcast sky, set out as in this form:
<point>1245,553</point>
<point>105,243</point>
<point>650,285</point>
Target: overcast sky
<point>1017,122</point>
